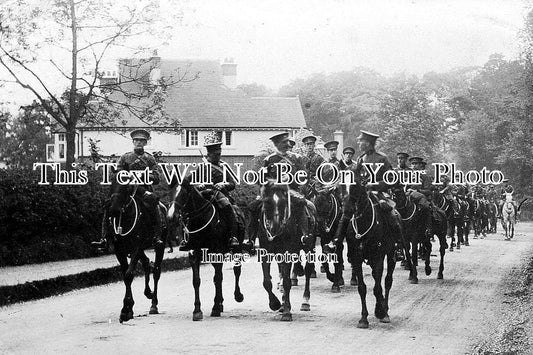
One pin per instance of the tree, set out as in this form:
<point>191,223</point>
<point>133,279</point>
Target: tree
<point>23,137</point>
<point>91,32</point>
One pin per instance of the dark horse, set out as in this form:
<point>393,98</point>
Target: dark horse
<point>280,235</point>
<point>133,232</point>
<point>207,234</point>
<point>369,237</point>
<point>414,230</point>
<point>329,211</point>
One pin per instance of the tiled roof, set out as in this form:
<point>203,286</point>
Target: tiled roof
<point>206,103</point>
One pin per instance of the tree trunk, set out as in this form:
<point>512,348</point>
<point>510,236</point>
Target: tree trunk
<point>72,120</point>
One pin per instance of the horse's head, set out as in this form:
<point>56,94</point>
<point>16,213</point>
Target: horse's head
<point>275,205</point>
<point>399,196</point>
<point>118,197</point>
<point>181,198</point>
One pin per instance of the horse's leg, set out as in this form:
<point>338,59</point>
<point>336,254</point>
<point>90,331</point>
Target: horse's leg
<point>273,301</point>
<point>427,256</point>
<point>295,272</point>
<point>413,275</point>
<point>127,310</point>
<point>285,271</point>
<point>219,299</point>
<point>361,288</point>
<point>145,262</point>
<point>443,246</point>
<point>391,264</point>
<point>126,313</point>
<point>239,297</point>
<point>159,249</point>
<point>194,261</point>
<point>377,273</point>
<point>309,268</point>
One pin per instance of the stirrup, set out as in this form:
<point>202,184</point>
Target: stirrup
<point>184,246</point>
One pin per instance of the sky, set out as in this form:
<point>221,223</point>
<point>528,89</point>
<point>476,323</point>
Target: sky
<point>276,41</point>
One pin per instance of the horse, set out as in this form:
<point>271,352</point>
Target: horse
<point>369,238</point>
<point>207,235</point>
<point>279,238</point>
<point>463,219</point>
<point>415,233</point>
<point>508,219</point>
<point>329,213</point>
<point>492,213</point>
<point>477,211</point>
<point>132,232</point>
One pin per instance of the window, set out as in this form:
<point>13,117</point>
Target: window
<point>61,137</point>
<point>50,153</point>
<point>228,138</point>
<point>60,149</point>
<point>189,138</point>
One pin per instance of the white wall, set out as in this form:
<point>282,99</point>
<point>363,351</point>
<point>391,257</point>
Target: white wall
<point>243,143</point>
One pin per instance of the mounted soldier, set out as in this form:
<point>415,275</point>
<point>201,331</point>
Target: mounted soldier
<point>346,163</point>
<point>420,194</point>
<point>506,195</point>
<point>218,190</point>
<point>328,172</point>
<point>312,161</point>
<point>282,155</point>
<point>401,159</point>
<point>367,143</point>
<point>138,160</point>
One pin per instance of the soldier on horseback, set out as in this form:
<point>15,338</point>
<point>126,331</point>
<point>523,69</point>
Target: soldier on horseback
<point>217,191</point>
<point>331,148</point>
<point>367,143</point>
<point>346,163</point>
<point>312,161</point>
<point>282,155</point>
<point>420,194</point>
<point>139,160</point>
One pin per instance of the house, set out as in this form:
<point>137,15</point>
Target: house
<point>206,101</point>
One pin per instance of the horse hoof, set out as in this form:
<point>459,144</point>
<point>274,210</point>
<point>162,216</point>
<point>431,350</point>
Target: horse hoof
<point>362,324</point>
<point>215,313</point>
<point>440,276</point>
<point>294,282</point>
<point>385,319</point>
<point>467,244</point>
<point>239,297</point>
<point>305,307</point>
<point>353,282</point>
<point>335,289</point>
<point>286,317</point>
<point>274,304</point>
<point>458,247</point>
<point>313,274</point>
<point>341,281</point>
<point>126,316</point>
<point>322,269</point>
<point>196,316</point>
<point>153,310</point>
<point>414,280</point>
<point>428,270</point>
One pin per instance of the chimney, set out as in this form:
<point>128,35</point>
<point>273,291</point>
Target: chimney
<point>155,68</point>
<point>338,136</point>
<point>229,73</point>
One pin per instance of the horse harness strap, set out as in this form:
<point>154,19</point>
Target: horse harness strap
<point>186,230</point>
<point>354,221</point>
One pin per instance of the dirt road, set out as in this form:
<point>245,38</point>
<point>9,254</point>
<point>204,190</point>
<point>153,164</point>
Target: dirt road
<point>445,316</point>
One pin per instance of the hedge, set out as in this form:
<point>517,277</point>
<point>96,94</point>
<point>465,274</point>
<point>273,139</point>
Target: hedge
<point>40,223</point>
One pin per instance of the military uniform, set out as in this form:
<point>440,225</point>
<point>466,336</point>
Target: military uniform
<point>421,195</point>
<point>139,160</point>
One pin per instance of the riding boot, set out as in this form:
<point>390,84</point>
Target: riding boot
<point>103,243</point>
<point>229,216</point>
<point>253,225</point>
<point>151,202</point>
<point>428,220</point>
